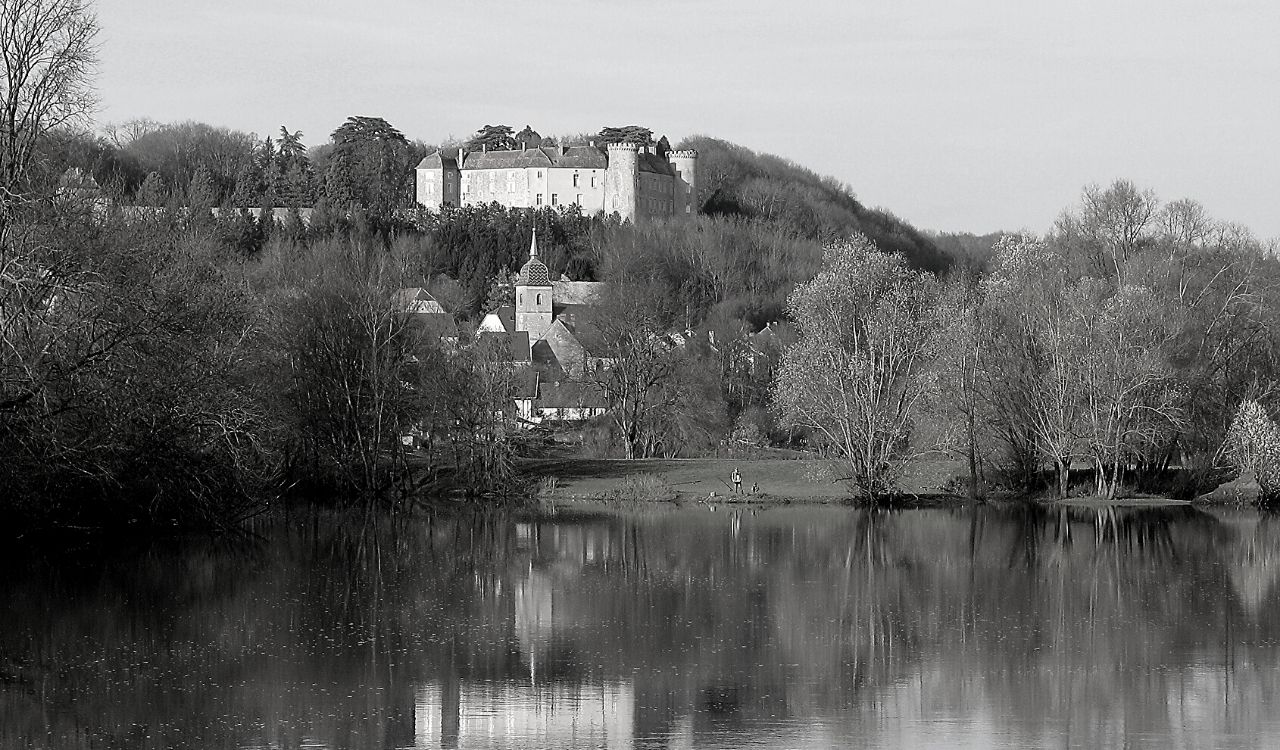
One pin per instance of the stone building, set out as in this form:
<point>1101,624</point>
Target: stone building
<point>626,178</point>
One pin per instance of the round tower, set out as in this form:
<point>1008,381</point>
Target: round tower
<point>622,178</point>
<point>685,164</point>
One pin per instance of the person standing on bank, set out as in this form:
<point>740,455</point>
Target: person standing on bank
<point>737,481</point>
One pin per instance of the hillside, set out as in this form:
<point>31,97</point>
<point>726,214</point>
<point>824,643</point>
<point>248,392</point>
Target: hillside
<point>736,181</point>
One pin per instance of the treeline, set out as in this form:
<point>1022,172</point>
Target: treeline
<point>1124,341</point>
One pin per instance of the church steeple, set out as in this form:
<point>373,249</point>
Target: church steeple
<point>533,294</point>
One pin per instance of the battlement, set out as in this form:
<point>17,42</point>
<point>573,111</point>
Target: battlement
<point>624,147</point>
<point>686,154</point>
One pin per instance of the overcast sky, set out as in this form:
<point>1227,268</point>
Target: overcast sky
<point>957,115</point>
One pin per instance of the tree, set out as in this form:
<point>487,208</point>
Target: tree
<point>869,333</point>
<point>627,134</point>
<point>528,138</point>
<point>49,53</point>
<point>634,363</point>
<point>369,166</point>
<point>153,191</point>
<point>1109,227</point>
<point>495,137</point>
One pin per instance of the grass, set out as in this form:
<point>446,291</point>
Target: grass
<point>697,478</point>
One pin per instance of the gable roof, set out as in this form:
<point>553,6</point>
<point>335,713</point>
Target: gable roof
<point>417,300</point>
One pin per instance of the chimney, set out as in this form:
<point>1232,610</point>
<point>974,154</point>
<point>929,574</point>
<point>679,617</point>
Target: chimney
<point>562,149</point>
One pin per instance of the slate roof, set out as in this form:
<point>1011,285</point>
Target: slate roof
<point>515,346</point>
<point>534,273</point>
<point>568,395</point>
<point>574,157</point>
<point>438,161</point>
<point>507,314</point>
<point>655,164</point>
<point>417,300</point>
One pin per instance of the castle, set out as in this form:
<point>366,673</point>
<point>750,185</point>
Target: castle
<point>631,180</point>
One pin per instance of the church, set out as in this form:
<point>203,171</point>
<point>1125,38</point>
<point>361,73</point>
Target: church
<point>632,180</point>
<point>552,319</point>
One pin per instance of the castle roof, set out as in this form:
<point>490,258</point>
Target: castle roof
<point>574,157</point>
<point>436,160</point>
<point>550,157</point>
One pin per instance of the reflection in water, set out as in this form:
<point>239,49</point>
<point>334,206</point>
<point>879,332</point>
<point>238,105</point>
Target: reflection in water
<point>787,627</point>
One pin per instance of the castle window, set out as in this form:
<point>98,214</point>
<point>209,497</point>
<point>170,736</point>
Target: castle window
<point>539,199</point>
<point>539,174</point>
<point>539,299</point>
<point>555,199</point>
<point>578,199</point>
<point>593,180</point>
<point>575,179</point>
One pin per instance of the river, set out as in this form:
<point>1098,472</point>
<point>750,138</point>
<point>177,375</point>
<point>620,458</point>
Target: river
<point>783,627</point>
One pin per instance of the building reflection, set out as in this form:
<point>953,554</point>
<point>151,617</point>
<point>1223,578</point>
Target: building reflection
<point>476,714</point>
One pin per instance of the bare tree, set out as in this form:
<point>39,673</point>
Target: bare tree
<point>870,333</point>
<point>49,53</point>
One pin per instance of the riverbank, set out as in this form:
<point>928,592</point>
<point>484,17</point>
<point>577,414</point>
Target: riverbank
<point>695,479</point>
<point>770,480</point>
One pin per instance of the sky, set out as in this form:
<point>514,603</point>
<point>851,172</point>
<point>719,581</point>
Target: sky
<point>956,115</point>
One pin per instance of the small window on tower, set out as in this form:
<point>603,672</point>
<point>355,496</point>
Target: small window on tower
<point>555,199</point>
<point>539,299</point>
<point>575,179</point>
<point>539,199</point>
<point>578,199</point>
<point>593,180</point>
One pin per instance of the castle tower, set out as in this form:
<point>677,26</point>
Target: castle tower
<point>621,180</point>
<point>533,295</point>
<point>685,164</point>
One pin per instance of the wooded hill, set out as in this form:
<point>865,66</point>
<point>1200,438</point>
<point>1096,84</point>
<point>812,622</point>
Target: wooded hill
<point>736,181</point>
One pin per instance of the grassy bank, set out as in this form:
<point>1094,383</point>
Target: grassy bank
<point>698,478</point>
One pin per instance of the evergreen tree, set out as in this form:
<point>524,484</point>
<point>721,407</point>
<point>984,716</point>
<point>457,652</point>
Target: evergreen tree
<point>493,137</point>
<point>202,191</point>
<point>153,191</point>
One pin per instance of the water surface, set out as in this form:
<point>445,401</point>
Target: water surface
<point>790,627</point>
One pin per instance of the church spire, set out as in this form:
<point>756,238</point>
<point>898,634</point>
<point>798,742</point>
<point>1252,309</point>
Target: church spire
<point>533,244</point>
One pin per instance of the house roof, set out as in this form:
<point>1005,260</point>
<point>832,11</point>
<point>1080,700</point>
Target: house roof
<point>561,394</point>
<point>417,300</point>
<point>440,325</point>
<point>543,357</point>
<point>514,345</point>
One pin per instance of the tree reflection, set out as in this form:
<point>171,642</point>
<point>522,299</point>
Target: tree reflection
<point>808,626</point>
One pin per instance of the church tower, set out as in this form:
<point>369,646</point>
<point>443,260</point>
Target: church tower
<point>533,295</point>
